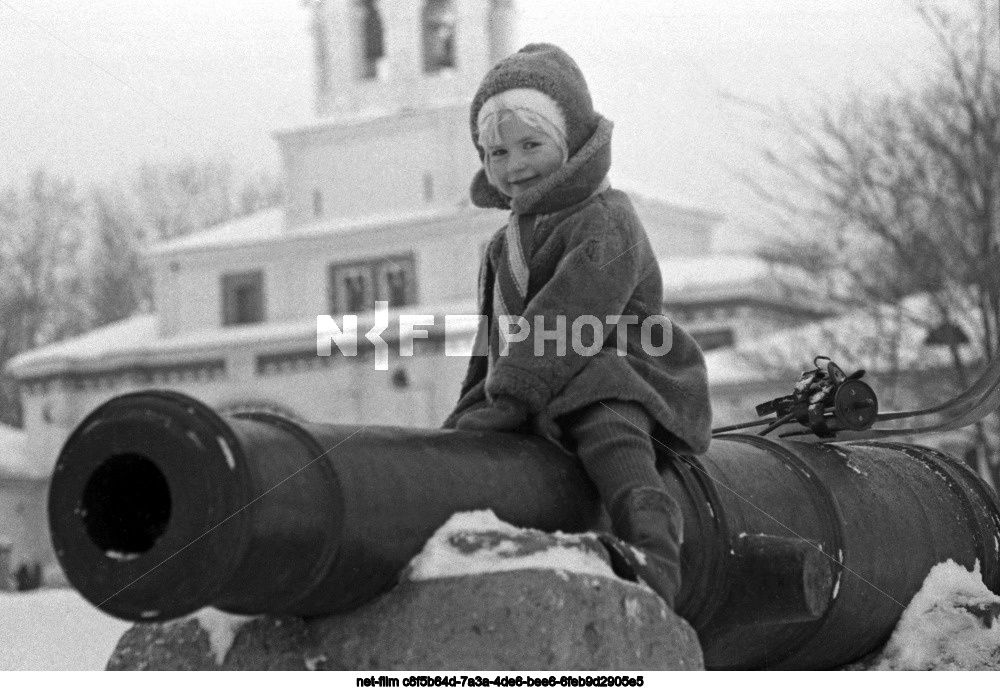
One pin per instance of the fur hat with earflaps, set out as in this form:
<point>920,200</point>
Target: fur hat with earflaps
<point>550,70</point>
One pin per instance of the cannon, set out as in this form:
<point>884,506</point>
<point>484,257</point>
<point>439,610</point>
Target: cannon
<point>796,555</point>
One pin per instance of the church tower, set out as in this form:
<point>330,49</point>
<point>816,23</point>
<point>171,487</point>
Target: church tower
<point>394,79</point>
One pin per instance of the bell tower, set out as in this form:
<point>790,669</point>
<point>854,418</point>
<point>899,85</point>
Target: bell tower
<point>393,82</point>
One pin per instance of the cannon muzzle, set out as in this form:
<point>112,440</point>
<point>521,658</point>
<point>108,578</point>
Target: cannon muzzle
<point>796,555</point>
<point>159,507</point>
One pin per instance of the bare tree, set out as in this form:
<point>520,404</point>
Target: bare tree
<point>118,282</point>
<point>41,236</point>
<point>175,199</point>
<point>891,204</point>
<point>72,262</point>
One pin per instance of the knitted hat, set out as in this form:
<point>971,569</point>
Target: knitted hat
<point>552,71</point>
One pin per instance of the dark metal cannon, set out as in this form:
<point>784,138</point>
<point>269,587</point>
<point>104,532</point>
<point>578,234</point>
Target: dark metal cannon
<point>796,555</point>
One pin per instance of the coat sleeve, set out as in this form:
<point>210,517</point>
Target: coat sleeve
<point>605,256</point>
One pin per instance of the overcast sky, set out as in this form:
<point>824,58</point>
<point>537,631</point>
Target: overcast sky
<point>92,89</point>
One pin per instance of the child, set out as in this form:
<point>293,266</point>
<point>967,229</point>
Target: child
<point>574,246</point>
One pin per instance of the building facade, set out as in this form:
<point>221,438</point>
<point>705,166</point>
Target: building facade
<point>377,210</point>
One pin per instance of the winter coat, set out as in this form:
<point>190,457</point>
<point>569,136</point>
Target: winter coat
<point>589,256</point>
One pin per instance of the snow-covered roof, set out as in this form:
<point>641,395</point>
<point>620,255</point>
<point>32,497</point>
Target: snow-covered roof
<point>269,226</point>
<point>642,193</point>
<point>259,227</point>
<point>13,455</point>
<point>715,276</point>
<point>136,341</point>
<point>732,366</point>
<point>104,343</point>
<point>882,340</point>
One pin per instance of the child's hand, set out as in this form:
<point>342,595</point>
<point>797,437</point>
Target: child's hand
<point>503,415</point>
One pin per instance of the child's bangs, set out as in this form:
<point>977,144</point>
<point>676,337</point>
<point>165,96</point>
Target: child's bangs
<point>489,133</point>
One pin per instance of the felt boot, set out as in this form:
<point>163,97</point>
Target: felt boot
<point>648,528</point>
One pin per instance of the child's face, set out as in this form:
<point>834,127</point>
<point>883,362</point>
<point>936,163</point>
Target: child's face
<point>522,158</point>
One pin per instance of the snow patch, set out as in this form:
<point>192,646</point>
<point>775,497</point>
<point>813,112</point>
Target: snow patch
<point>122,556</point>
<point>311,662</point>
<point>851,466</point>
<point>227,452</point>
<point>221,628</point>
<point>193,436</point>
<point>54,629</point>
<point>475,542</point>
<point>952,623</point>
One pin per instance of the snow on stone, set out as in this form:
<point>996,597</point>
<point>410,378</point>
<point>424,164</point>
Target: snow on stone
<point>952,623</point>
<point>221,628</point>
<point>476,542</point>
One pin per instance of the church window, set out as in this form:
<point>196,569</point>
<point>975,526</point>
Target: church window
<point>371,39</point>
<point>243,298</point>
<point>394,281</point>
<point>439,35</point>
<point>355,287</point>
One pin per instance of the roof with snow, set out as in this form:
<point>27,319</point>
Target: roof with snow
<point>641,193</point>
<point>889,338</point>
<point>269,226</point>
<point>136,341</point>
<point>716,276</point>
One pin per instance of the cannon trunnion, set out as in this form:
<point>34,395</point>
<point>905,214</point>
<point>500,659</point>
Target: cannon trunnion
<point>796,555</point>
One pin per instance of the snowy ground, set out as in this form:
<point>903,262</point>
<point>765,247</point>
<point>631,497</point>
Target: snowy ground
<point>952,623</point>
<point>55,629</point>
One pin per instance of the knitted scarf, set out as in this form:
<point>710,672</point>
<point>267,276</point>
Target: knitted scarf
<point>510,286</point>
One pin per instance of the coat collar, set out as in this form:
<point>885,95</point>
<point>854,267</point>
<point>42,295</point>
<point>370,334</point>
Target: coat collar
<point>576,180</point>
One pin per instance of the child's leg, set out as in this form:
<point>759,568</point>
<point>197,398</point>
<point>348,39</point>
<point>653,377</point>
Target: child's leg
<point>612,439</point>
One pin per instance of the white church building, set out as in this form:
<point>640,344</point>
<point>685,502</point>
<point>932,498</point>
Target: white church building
<point>376,210</point>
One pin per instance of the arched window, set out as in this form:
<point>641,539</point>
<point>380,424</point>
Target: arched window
<point>371,41</point>
<point>439,35</point>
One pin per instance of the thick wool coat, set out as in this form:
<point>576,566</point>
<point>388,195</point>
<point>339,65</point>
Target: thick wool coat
<point>589,255</point>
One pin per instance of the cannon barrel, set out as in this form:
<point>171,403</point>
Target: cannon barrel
<point>796,555</point>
